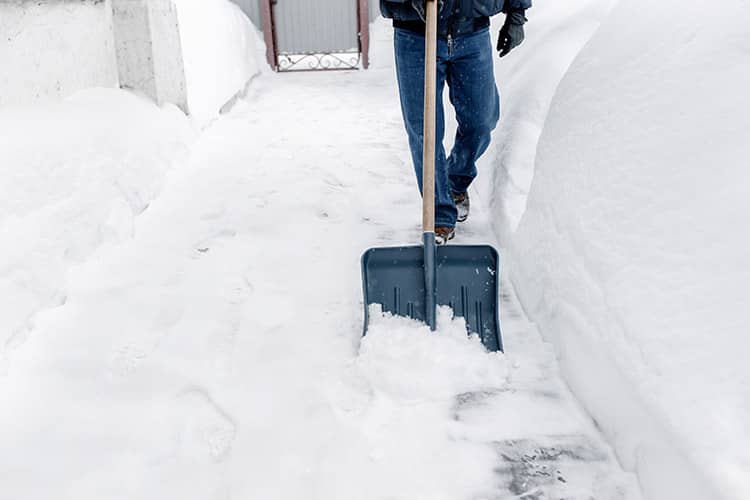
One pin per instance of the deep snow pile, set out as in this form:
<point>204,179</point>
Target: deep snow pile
<point>633,253</point>
<point>222,52</point>
<point>74,175</point>
<point>527,79</point>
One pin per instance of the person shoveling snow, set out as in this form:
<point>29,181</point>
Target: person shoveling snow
<point>412,281</point>
<point>464,62</point>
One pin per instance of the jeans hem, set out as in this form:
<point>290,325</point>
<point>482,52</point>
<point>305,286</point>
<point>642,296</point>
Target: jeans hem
<point>445,224</point>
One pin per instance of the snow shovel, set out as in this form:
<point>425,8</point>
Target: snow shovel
<point>411,281</point>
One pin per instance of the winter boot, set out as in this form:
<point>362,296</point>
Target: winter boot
<point>444,234</point>
<point>462,205</point>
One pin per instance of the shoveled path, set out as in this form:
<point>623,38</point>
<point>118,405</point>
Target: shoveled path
<point>216,355</point>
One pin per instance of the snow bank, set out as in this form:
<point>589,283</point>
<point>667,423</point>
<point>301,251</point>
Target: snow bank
<point>527,79</point>
<point>632,254</point>
<point>222,52</point>
<point>74,174</point>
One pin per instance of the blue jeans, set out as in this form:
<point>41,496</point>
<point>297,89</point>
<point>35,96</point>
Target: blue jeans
<point>467,66</point>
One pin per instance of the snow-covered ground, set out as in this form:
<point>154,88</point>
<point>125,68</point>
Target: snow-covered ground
<point>182,316</point>
<point>210,347</point>
<point>633,253</point>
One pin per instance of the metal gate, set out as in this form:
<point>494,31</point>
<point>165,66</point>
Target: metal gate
<point>313,34</point>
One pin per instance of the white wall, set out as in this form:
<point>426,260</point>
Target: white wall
<point>52,48</point>
<point>149,52</point>
<point>199,60</point>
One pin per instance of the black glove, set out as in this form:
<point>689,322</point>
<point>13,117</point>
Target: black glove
<point>421,7</point>
<point>511,34</point>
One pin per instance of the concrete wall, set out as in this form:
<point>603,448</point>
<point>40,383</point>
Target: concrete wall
<point>149,53</point>
<point>52,48</point>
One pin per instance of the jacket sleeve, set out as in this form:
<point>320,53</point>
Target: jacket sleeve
<point>516,5</point>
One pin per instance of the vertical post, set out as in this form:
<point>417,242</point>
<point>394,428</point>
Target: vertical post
<point>428,163</point>
<point>149,50</point>
<point>269,33</point>
<point>363,15</point>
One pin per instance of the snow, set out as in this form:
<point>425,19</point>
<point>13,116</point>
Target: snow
<point>222,52</point>
<point>182,310</point>
<point>444,364</point>
<point>527,79</point>
<point>213,349</point>
<point>632,255</point>
<point>75,174</point>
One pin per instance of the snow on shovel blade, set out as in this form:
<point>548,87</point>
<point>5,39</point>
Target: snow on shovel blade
<point>467,281</point>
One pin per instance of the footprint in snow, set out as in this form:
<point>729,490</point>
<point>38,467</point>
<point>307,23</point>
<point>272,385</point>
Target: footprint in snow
<point>140,343</point>
<point>204,432</point>
<point>127,359</point>
<point>204,245</point>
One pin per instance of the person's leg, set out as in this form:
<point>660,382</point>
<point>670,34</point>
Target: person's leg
<point>409,50</point>
<point>474,95</point>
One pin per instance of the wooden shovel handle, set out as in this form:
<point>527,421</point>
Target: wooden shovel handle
<point>430,98</point>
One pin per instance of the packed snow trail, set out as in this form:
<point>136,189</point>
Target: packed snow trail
<point>217,353</point>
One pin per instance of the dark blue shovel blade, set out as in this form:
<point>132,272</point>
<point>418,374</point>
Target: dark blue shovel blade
<point>467,280</point>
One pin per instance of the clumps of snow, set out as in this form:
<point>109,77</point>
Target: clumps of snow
<point>404,360</point>
<point>399,405</point>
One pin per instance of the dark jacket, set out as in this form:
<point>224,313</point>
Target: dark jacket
<point>456,17</point>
